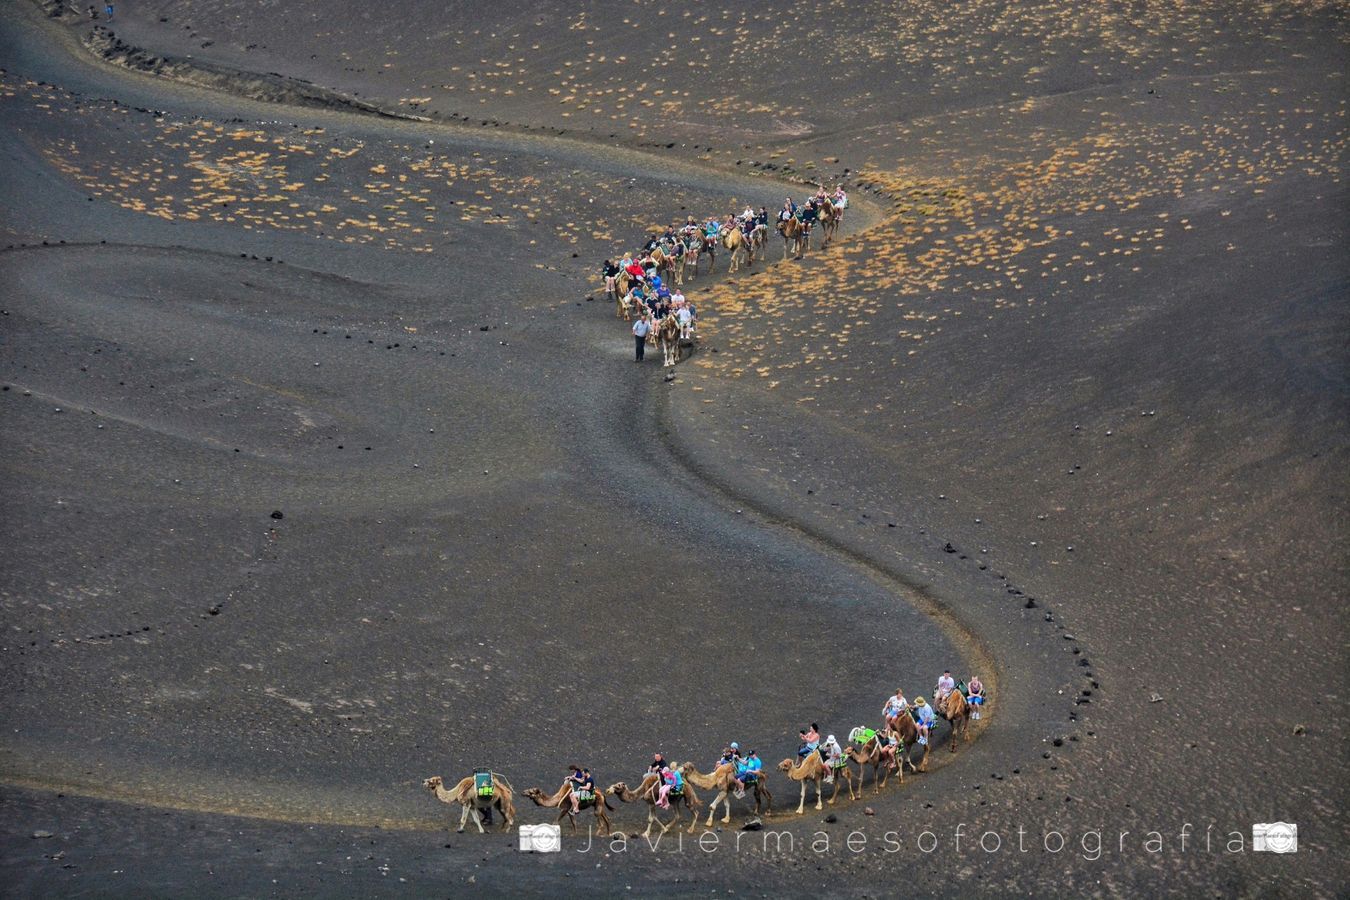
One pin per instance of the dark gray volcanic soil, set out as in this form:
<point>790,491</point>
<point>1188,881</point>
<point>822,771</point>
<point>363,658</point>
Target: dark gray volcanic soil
<point>1066,406</point>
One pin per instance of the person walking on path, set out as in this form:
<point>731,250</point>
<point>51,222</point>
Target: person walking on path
<point>641,328</point>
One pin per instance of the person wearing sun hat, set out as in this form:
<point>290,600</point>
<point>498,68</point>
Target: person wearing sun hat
<point>924,717</point>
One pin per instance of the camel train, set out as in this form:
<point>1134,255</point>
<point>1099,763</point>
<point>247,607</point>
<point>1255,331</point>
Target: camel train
<point>484,791</point>
<point>641,283</point>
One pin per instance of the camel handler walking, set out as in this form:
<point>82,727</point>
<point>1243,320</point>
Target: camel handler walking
<point>641,328</point>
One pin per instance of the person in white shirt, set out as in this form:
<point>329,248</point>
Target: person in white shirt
<point>641,328</point>
<point>894,706</point>
<point>945,685</point>
<point>833,753</point>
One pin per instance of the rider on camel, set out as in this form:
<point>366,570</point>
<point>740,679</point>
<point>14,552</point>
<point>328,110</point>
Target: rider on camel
<point>748,770</point>
<point>583,786</point>
<point>975,694</point>
<point>924,717</point>
<point>833,754</point>
<point>810,740</point>
<point>945,685</point>
<point>895,705</point>
<point>888,741</point>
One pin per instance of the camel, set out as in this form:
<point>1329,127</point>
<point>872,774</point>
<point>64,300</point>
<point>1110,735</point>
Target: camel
<point>647,791</point>
<point>812,768</point>
<point>759,236</point>
<point>665,264</point>
<point>735,242</point>
<point>905,726</point>
<point>807,225</point>
<point>838,216</point>
<point>677,261</point>
<point>708,249</point>
<point>869,754</point>
<point>627,303</point>
<point>692,246</point>
<point>956,711</point>
<point>563,800</point>
<point>668,336</point>
<point>622,296</point>
<point>829,221</point>
<point>463,793</point>
<point>723,780</point>
<point>791,230</point>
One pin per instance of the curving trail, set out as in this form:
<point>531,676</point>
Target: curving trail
<point>483,526</point>
<point>326,468</point>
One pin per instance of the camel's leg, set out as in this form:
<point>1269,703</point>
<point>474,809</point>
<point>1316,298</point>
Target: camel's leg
<point>463,818</point>
<point>818,806</point>
<point>801,804</point>
<point>726,805</point>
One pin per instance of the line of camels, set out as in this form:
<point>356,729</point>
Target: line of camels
<point>810,769</point>
<point>739,240</point>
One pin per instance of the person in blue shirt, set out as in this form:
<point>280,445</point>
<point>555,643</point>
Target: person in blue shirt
<point>748,772</point>
<point>924,717</point>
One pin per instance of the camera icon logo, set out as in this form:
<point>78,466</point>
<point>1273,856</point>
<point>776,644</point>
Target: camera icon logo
<point>1275,837</point>
<point>540,838</point>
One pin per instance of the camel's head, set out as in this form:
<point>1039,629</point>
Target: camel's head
<point>616,788</point>
<point>785,766</point>
<point>432,783</point>
<point>535,793</point>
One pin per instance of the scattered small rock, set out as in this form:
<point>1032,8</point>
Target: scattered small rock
<point>278,514</point>
<point>42,834</point>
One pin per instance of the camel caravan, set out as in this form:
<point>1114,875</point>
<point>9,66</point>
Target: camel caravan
<point>668,789</point>
<point>646,284</point>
